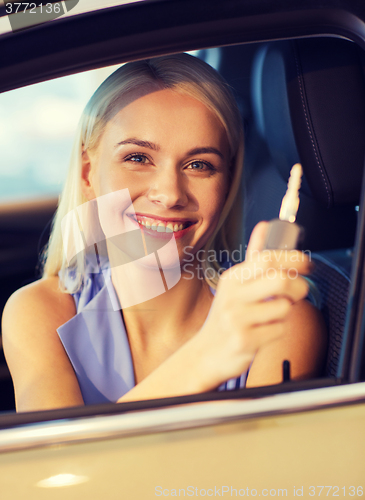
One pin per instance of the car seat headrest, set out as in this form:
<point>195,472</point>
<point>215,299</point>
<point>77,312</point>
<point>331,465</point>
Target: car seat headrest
<point>309,102</point>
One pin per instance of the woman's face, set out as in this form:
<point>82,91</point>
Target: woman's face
<point>170,155</point>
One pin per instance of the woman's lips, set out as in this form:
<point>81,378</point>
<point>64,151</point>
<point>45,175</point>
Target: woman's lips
<point>161,228</point>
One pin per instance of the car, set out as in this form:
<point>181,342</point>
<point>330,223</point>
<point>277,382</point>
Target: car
<point>297,72</point>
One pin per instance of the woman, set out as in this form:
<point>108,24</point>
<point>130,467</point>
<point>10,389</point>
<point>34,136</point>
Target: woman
<point>158,157</point>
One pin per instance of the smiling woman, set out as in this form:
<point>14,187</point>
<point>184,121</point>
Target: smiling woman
<point>175,184</point>
<point>121,313</point>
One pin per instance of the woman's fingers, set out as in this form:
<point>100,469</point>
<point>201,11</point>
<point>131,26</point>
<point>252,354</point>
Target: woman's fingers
<point>264,334</point>
<point>293,288</point>
<point>284,258</point>
<point>259,280</point>
<point>248,329</point>
<point>251,316</point>
<point>257,239</point>
<point>274,310</point>
<point>269,263</point>
<point>259,259</point>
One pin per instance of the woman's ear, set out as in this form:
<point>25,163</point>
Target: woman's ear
<point>86,176</point>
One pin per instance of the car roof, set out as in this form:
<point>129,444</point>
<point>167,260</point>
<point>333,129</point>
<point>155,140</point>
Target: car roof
<point>126,31</point>
<point>75,8</point>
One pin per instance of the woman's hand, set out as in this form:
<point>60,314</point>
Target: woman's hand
<point>252,304</point>
<point>257,320</point>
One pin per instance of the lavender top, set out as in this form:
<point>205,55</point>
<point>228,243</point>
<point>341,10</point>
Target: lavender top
<point>96,341</point>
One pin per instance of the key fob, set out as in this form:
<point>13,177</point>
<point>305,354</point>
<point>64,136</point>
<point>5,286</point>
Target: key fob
<point>284,235</point>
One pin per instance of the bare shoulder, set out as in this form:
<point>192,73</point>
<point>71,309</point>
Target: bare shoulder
<point>304,344</point>
<point>306,340</point>
<point>42,373</point>
<point>32,315</point>
<point>306,328</point>
<point>42,300</point>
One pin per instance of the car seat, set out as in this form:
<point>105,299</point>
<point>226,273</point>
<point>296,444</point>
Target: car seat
<point>308,100</point>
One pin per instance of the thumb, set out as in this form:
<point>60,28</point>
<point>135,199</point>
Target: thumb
<point>257,240</point>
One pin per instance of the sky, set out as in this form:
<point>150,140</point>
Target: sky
<point>37,128</point>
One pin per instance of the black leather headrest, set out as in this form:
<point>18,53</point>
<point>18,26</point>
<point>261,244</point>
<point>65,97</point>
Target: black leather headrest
<point>309,99</point>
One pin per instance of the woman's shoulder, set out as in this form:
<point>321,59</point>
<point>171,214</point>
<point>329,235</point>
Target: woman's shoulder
<point>41,371</point>
<point>40,305</point>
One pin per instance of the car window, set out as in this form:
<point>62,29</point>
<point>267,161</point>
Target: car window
<point>38,123</point>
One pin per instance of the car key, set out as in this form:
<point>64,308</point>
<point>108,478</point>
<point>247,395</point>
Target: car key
<point>283,233</point>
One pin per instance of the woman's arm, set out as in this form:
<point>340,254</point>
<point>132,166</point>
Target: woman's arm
<point>304,338</point>
<point>194,367</point>
<point>304,344</point>
<point>258,316</point>
<point>41,371</point>
<point>254,316</point>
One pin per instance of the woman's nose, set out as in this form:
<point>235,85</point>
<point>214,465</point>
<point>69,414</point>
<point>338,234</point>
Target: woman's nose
<point>169,189</point>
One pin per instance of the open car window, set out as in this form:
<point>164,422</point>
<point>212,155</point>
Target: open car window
<point>46,115</point>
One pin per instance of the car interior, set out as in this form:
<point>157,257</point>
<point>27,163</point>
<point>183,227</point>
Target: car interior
<point>302,93</point>
<point>302,101</point>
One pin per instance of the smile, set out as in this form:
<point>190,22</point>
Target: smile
<point>159,225</point>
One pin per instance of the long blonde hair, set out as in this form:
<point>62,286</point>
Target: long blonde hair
<point>186,75</point>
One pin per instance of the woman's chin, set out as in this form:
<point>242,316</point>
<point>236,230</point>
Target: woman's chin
<point>147,256</point>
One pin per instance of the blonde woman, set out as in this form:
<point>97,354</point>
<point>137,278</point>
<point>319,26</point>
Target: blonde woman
<point>158,155</point>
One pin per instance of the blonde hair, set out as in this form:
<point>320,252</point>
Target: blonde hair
<point>186,75</point>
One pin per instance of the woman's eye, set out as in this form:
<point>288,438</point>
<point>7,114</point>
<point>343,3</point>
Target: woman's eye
<point>200,165</point>
<point>137,158</point>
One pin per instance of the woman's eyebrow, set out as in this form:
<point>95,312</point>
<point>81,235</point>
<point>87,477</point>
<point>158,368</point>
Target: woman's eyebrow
<point>140,143</point>
<point>156,147</point>
<point>202,151</point>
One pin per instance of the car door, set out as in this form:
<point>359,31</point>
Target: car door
<point>297,439</point>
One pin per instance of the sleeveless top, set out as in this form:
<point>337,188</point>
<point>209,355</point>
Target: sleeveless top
<point>96,341</point>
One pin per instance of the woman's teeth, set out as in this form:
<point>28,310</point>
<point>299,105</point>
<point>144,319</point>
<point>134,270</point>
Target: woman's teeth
<point>162,227</point>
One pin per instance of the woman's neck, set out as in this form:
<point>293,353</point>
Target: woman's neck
<point>173,316</point>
